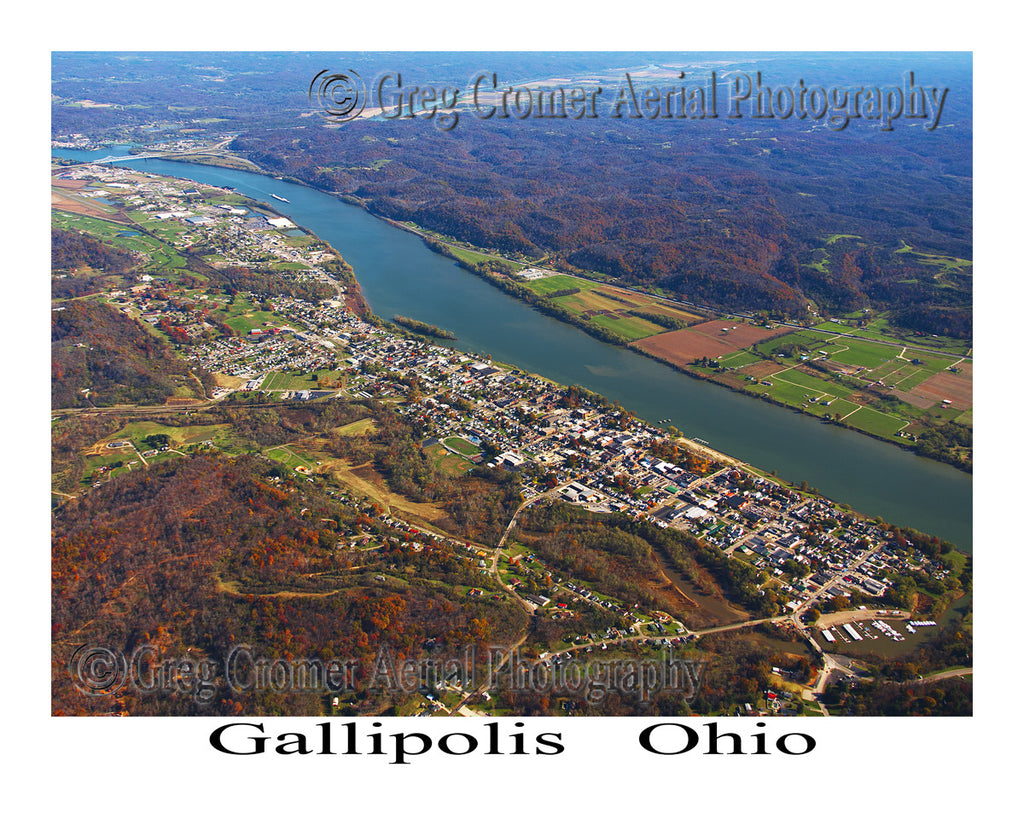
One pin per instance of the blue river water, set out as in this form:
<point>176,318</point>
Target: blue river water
<point>400,275</point>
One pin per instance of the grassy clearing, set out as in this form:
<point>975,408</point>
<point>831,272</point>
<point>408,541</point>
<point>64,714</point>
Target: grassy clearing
<point>629,326</point>
<point>558,282</point>
<point>365,481</point>
<point>801,338</point>
<point>741,358</point>
<point>136,431</point>
<point>474,257</point>
<point>859,353</point>
<point>878,328</point>
<point>877,423</point>
<point>242,316</point>
<point>293,461</point>
<point>360,427</point>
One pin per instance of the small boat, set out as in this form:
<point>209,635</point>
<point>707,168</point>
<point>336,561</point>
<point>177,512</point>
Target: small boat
<point>279,198</point>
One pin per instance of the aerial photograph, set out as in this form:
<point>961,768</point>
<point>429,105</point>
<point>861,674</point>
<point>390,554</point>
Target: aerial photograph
<point>511,384</point>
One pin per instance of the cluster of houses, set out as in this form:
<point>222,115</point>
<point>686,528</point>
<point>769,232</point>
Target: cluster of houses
<point>561,443</point>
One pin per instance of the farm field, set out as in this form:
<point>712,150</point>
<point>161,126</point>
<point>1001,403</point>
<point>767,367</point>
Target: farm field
<point>920,379</point>
<point>474,256</point>
<point>709,339</point>
<point>878,328</point>
<point>621,311</point>
<point>360,427</point>
<point>883,389</point>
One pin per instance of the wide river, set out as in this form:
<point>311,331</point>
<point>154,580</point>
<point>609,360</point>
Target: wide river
<point>399,275</point>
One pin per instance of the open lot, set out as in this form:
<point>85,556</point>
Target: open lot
<point>957,388</point>
<point>710,339</point>
<point>87,207</point>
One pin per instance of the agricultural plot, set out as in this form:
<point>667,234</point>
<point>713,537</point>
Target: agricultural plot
<point>629,326</point>
<point>811,383</point>
<point>836,407</point>
<point>474,257</point>
<point>957,388</point>
<point>558,282</point>
<point>920,384</point>
<point>710,339</point>
<point>609,307</point>
<point>859,353</point>
<point>878,328</point>
<point>740,359</point>
<point>874,422</point>
<point>799,338</point>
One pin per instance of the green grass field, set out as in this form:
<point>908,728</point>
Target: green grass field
<point>875,422</point>
<point>462,446</point>
<point>445,461</point>
<point>162,257</point>
<point>612,313</point>
<point>859,353</point>
<point>629,326</point>
<point>811,383</point>
<point>356,428</point>
<point>243,316</point>
<point>299,381</point>
<point>559,282</point>
<point>738,359</point>
<point>473,256</point>
<point>290,459</point>
<point>801,338</point>
<point>136,431</point>
<point>879,329</point>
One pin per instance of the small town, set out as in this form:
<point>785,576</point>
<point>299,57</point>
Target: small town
<point>563,443</point>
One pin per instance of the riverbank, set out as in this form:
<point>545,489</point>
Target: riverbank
<point>545,306</point>
<point>398,275</point>
<point>555,311</point>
